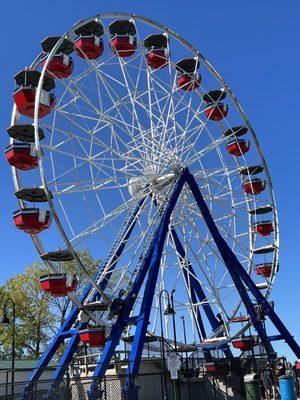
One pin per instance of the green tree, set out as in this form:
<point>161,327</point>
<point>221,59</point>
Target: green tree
<point>33,314</point>
<point>38,315</point>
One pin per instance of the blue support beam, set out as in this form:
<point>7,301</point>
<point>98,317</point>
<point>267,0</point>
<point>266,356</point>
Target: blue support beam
<point>113,257</point>
<point>189,273</point>
<point>196,289</point>
<point>274,338</point>
<point>239,275</point>
<point>149,264</point>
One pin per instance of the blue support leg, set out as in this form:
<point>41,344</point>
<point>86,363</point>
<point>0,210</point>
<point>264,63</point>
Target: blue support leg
<point>189,273</point>
<point>241,277</point>
<point>113,257</point>
<point>228,258</point>
<point>189,270</point>
<point>150,263</point>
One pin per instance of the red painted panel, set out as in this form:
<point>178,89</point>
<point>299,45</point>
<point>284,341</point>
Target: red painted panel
<point>123,46</point>
<point>57,68</point>
<point>21,158</point>
<point>31,222</point>
<point>216,112</point>
<point>87,47</point>
<point>156,58</point>
<point>238,147</point>
<point>254,186</point>
<point>24,99</point>
<point>188,82</point>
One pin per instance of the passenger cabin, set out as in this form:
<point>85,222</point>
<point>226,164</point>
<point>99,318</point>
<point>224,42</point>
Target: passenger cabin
<point>238,147</point>
<point>157,55</point>
<point>61,64</point>
<point>22,156</point>
<point>89,43</point>
<point>32,220</point>
<point>254,186</point>
<point>188,78</point>
<point>58,285</point>
<point>94,336</point>
<point>24,96</point>
<point>245,343</point>
<point>123,40</point>
<point>215,110</point>
<point>264,269</point>
<point>264,228</point>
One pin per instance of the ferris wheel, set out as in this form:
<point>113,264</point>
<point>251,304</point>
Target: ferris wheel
<point>140,149</point>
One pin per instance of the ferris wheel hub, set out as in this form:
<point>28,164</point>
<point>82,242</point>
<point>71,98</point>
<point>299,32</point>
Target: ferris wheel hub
<point>138,184</point>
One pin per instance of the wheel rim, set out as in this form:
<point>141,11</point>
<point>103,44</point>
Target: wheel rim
<point>152,159</point>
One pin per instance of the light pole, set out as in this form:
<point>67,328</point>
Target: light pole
<point>186,356</point>
<point>162,340</point>
<point>6,322</point>
<point>173,318</point>
<point>175,336</point>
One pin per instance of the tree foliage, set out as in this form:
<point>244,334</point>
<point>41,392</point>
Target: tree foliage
<point>38,315</point>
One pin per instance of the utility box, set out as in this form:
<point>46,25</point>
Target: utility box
<point>252,386</point>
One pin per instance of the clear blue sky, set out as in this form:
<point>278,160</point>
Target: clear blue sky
<point>255,47</point>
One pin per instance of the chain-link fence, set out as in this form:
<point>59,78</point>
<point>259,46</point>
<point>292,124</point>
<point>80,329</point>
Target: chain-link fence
<point>151,386</point>
<point>215,380</point>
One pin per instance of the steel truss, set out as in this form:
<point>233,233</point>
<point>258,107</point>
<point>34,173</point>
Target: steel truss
<point>147,274</point>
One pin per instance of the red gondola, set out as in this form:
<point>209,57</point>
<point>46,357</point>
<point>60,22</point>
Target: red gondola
<point>157,58</point>
<point>243,344</point>
<point>24,95</point>
<point>123,40</point>
<point>264,269</point>
<point>188,82</point>
<point>238,147</point>
<point>61,65</point>
<point>264,228</point>
<point>157,55</point>
<point>188,78</point>
<point>58,285</point>
<point>22,156</point>
<point>32,220</point>
<point>254,186</point>
<point>93,336</point>
<point>89,43</point>
<point>90,47</point>
<point>216,112</point>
